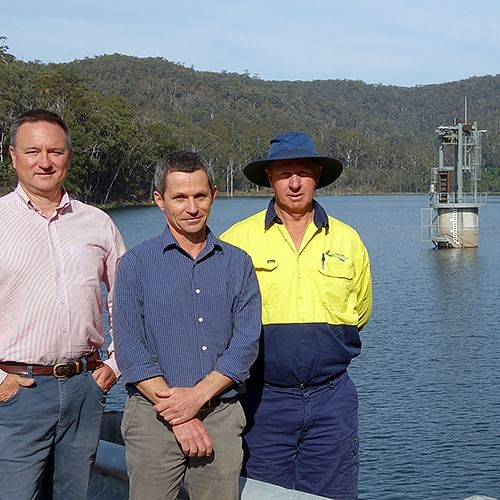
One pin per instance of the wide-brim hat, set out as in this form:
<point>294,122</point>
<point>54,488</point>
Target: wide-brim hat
<point>293,146</point>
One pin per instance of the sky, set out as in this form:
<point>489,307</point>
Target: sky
<point>389,42</point>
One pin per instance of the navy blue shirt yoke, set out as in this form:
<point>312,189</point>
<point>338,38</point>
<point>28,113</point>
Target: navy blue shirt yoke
<point>182,318</point>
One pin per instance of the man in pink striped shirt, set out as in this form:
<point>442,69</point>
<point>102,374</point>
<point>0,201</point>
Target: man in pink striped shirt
<point>55,252</point>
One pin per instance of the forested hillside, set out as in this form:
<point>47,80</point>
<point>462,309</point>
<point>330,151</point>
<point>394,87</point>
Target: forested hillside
<point>126,112</point>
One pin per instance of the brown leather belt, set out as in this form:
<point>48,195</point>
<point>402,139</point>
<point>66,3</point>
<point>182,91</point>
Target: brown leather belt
<point>59,370</point>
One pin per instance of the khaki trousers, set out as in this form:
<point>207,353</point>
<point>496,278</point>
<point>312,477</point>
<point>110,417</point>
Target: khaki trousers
<point>157,466</point>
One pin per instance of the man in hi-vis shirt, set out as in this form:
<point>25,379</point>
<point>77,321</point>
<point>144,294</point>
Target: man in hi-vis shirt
<point>314,276</point>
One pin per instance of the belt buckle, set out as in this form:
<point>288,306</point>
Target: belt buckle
<point>64,370</point>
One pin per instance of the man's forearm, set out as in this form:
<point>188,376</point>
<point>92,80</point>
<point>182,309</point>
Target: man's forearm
<point>214,383</point>
<point>180,404</point>
<point>149,387</point>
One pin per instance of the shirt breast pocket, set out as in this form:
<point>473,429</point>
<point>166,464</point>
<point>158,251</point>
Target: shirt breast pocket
<point>267,274</point>
<point>86,263</point>
<point>336,284</point>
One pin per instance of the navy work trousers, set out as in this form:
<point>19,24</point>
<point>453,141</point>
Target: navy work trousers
<point>304,438</point>
<point>48,438</point>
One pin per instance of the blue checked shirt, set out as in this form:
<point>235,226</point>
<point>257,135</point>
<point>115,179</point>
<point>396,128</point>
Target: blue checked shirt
<point>182,318</point>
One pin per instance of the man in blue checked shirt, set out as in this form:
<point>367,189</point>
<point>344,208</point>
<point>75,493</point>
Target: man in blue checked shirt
<point>187,319</point>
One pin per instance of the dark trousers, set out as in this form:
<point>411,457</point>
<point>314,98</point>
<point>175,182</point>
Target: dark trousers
<point>304,438</point>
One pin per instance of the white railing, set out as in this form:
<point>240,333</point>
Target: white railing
<point>436,198</point>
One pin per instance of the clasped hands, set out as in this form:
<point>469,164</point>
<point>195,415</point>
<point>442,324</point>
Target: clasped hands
<point>179,407</point>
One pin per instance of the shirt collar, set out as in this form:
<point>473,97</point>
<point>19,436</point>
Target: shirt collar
<point>320,216</point>
<point>63,204</point>
<point>168,242</point>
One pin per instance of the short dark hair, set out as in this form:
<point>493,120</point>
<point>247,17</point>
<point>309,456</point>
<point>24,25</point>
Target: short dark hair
<point>38,115</point>
<point>179,161</point>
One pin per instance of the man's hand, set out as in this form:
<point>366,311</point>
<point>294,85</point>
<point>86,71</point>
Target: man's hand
<point>105,377</point>
<point>193,438</point>
<point>179,404</point>
<point>11,384</point>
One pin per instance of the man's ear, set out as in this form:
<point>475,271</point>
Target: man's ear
<point>268,173</point>
<point>13,158</point>
<point>318,173</point>
<point>158,199</point>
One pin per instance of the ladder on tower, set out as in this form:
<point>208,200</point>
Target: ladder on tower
<point>454,226</point>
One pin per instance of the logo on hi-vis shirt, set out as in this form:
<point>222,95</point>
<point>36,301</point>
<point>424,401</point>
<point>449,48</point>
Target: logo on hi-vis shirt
<point>338,256</point>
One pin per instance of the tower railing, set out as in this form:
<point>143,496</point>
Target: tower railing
<point>436,198</point>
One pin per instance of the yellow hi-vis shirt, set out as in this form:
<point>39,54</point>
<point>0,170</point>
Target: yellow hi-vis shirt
<point>314,300</point>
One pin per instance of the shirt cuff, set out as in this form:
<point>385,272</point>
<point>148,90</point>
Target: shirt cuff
<point>111,362</point>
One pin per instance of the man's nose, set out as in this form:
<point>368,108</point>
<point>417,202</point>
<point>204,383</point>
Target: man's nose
<point>192,206</point>
<point>294,181</point>
<point>44,160</point>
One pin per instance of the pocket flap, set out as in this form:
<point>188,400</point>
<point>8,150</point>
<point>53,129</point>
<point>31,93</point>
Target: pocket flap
<point>337,270</point>
<point>265,264</point>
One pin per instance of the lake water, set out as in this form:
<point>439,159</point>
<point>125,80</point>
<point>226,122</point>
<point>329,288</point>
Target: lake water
<point>428,377</point>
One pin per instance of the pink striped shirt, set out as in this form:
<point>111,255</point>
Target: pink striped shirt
<point>51,271</point>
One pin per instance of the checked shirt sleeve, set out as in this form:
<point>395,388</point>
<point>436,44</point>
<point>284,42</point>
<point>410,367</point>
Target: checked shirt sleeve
<point>135,360</point>
<point>243,348</point>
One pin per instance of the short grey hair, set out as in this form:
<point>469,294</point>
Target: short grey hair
<point>179,161</point>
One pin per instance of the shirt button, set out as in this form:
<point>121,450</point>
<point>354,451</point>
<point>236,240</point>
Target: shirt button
<point>200,320</point>
<point>197,290</point>
<point>204,348</point>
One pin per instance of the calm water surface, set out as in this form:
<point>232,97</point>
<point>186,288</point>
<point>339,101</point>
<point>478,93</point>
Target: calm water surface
<point>428,376</point>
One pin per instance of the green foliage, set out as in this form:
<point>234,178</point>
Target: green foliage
<point>126,112</point>
<point>490,180</point>
<point>115,145</point>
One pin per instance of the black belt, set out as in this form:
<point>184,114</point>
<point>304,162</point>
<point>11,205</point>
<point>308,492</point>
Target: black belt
<point>305,385</point>
<point>209,405</point>
<point>214,402</point>
<point>59,370</point>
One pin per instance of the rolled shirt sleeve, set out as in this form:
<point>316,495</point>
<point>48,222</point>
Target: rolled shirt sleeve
<point>134,359</point>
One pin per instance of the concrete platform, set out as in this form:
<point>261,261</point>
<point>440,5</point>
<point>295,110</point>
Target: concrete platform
<point>109,481</point>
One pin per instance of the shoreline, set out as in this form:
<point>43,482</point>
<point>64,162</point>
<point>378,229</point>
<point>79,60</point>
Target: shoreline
<point>262,194</point>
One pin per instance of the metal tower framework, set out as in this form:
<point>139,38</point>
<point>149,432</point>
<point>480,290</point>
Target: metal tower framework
<point>452,220</point>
